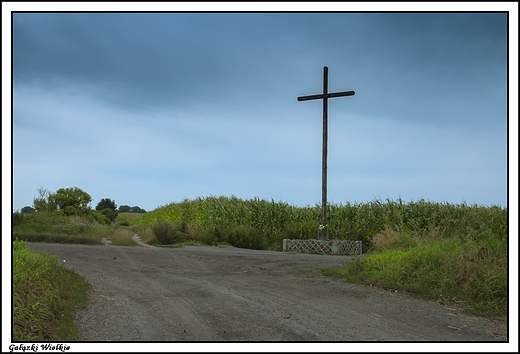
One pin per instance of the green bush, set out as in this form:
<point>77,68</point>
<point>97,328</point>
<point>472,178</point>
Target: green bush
<point>169,233</point>
<point>245,236</point>
<point>217,233</point>
<point>109,213</point>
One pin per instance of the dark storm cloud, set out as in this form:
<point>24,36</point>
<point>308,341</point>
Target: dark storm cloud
<point>152,57</point>
<point>173,58</point>
<point>110,50</point>
<point>433,62</point>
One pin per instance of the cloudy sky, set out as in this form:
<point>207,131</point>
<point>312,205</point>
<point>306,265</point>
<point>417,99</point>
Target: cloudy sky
<point>152,108</point>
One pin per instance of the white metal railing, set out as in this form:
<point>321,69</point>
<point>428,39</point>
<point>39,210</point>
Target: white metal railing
<point>323,247</point>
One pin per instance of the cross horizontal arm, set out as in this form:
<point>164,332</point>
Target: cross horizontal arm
<point>330,95</point>
<point>341,94</point>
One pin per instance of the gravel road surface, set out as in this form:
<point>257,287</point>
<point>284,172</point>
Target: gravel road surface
<point>202,293</point>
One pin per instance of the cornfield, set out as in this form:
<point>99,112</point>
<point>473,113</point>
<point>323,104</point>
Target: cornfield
<point>214,219</point>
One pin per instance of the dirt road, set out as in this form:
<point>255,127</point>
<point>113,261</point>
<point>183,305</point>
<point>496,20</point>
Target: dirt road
<point>200,293</point>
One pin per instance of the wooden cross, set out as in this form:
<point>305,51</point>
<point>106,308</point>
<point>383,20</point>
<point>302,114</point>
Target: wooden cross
<point>323,233</point>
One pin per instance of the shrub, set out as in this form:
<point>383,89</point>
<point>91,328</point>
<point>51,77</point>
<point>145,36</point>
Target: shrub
<point>245,236</point>
<point>111,214</point>
<point>169,232</point>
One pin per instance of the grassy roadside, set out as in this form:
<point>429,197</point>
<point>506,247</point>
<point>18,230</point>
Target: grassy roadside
<point>467,272</point>
<point>77,230</point>
<point>44,297</point>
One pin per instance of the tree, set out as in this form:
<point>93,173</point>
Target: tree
<point>136,209</point>
<point>27,210</point>
<point>71,201</point>
<point>44,203</point>
<point>129,209</point>
<point>106,203</point>
<point>124,208</point>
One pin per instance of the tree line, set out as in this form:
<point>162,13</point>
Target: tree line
<point>75,201</point>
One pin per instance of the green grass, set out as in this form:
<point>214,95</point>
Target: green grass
<point>56,228</point>
<point>44,297</point>
<point>472,274</point>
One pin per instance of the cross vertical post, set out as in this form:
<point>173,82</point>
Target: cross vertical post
<point>323,233</point>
